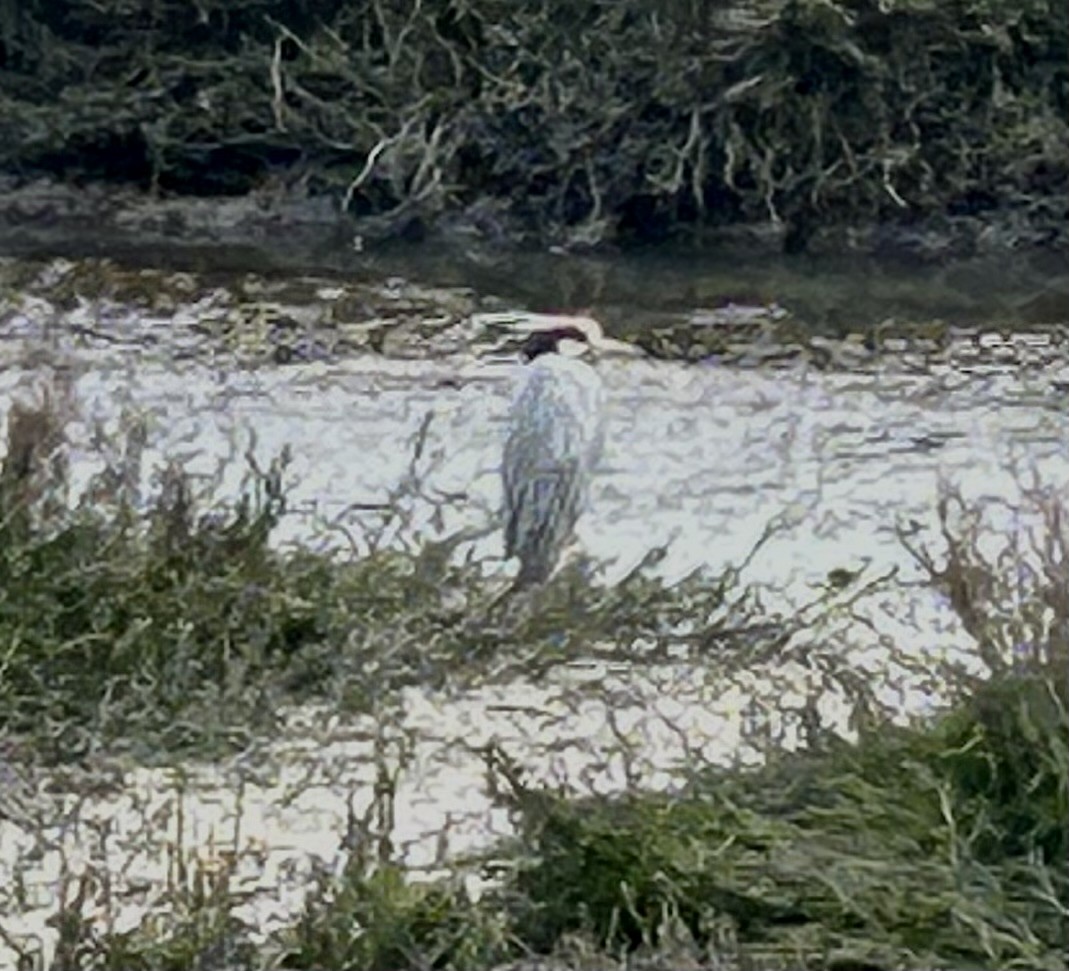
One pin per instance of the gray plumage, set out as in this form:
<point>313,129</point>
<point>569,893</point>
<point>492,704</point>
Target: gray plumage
<point>555,438</point>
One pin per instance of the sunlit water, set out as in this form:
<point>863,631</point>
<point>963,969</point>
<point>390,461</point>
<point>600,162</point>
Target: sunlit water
<point>701,458</point>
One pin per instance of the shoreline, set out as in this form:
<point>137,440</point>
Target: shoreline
<point>42,215</point>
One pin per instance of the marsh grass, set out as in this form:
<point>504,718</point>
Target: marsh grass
<point>378,919</point>
<point>116,617</point>
<point>153,618</point>
<point>159,622</point>
<point>193,926</point>
<point>936,846</point>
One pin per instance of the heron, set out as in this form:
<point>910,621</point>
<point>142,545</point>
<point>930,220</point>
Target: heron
<point>555,438</point>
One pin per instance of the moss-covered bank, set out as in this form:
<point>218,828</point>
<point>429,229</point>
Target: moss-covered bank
<point>556,120</point>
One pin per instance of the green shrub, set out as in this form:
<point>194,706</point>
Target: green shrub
<point>941,845</point>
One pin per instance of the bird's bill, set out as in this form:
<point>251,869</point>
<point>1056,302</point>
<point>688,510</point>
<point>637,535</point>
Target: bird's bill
<point>573,348</point>
<point>610,347</point>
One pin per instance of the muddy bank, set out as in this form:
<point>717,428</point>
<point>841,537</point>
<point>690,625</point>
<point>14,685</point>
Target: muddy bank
<point>286,226</point>
<point>252,306</point>
<point>797,125</point>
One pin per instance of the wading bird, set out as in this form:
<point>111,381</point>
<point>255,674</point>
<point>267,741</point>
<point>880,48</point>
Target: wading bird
<point>556,431</point>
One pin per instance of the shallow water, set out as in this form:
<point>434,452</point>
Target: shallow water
<point>701,457</point>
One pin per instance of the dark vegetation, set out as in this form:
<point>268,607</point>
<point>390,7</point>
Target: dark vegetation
<point>579,122</point>
<point>934,846</point>
<point>134,621</point>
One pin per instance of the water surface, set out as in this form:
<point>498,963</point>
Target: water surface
<point>701,457</point>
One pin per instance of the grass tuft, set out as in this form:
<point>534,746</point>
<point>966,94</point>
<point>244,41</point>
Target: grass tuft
<point>941,845</point>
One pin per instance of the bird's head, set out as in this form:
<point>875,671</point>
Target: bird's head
<point>567,341</point>
<point>572,337</point>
